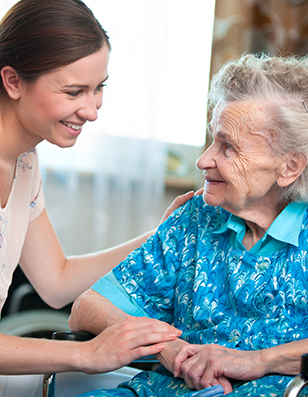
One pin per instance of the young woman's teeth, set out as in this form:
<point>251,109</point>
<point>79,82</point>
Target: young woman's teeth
<point>74,126</point>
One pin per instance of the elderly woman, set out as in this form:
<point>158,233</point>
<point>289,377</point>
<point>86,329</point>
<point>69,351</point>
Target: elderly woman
<point>229,270</point>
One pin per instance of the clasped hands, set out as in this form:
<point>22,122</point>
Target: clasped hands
<point>202,366</point>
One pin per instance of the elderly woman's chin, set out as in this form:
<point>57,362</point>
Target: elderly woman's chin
<point>211,198</point>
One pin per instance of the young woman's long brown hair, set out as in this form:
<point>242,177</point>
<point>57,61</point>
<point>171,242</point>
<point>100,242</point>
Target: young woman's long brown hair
<point>37,36</point>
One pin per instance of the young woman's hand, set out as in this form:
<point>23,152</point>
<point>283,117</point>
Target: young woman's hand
<point>125,342</point>
<point>179,201</point>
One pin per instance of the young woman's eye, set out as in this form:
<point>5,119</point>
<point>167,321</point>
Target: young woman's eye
<point>100,87</point>
<point>74,93</point>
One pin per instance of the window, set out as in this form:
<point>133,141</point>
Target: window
<point>159,67</point>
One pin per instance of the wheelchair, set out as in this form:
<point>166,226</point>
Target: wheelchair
<point>35,322</point>
<point>300,381</point>
<point>293,390</point>
<point>27,316</point>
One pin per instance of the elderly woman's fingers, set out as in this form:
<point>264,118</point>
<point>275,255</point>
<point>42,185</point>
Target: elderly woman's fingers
<point>224,382</point>
<point>192,368</point>
<point>212,362</point>
<point>185,353</point>
<point>198,377</point>
<point>202,366</point>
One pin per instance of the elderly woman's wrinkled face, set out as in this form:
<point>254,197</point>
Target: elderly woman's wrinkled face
<point>240,169</point>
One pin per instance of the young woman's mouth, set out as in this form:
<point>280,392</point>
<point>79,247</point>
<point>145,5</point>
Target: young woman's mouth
<point>75,129</point>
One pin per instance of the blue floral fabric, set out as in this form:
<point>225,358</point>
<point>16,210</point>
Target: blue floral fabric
<point>190,276</point>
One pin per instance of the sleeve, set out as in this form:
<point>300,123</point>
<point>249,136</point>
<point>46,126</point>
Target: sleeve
<point>37,201</point>
<point>110,288</point>
<point>148,275</point>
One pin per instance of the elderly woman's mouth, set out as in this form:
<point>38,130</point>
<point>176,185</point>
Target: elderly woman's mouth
<point>212,181</point>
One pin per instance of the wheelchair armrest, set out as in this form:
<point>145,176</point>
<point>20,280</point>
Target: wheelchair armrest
<point>76,336</point>
<point>83,336</point>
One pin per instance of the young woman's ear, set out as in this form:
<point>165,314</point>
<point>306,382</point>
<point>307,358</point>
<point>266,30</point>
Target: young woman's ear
<point>293,167</point>
<point>11,82</point>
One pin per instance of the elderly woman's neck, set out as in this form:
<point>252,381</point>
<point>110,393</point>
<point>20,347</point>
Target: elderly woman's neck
<point>258,224</point>
<point>253,234</point>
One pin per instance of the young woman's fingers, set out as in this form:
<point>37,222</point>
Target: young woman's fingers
<point>199,191</point>
<point>177,202</point>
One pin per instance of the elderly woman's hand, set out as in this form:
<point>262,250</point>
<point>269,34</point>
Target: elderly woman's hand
<point>203,366</point>
<point>171,349</point>
<point>179,201</point>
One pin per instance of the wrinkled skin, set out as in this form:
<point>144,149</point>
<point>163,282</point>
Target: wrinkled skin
<point>239,167</point>
<point>245,176</point>
<point>204,366</point>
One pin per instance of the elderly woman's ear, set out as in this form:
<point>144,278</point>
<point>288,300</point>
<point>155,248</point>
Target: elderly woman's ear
<point>292,168</point>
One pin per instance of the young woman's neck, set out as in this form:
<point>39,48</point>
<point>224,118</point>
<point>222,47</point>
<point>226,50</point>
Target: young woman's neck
<point>13,138</point>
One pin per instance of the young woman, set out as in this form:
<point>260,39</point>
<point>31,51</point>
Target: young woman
<point>54,65</point>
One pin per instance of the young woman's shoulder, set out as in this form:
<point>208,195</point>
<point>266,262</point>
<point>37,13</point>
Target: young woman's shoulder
<point>28,160</point>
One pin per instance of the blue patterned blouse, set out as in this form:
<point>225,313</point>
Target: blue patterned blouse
<point>189,275</point>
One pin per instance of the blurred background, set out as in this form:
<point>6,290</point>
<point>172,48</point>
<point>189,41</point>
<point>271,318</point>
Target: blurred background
<point>128,166</point>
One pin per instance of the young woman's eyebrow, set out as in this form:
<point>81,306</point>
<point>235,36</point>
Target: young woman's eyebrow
<point>75,85</point>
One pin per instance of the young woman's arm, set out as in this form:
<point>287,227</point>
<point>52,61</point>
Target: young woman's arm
<point>94,313</point>
<point>60,280</point>
<point>117,346</point>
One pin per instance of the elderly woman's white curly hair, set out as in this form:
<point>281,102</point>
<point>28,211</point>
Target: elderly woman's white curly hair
<point>281,83</point>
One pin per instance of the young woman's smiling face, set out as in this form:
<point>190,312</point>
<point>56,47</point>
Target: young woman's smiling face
<point>60,102</point>
<point>240,169</point>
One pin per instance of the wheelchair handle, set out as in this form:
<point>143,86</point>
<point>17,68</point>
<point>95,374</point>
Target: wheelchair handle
<point>300,381</point>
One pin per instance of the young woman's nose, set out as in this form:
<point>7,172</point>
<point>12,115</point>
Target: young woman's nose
<point>88,109</point>
<point>206,160</point>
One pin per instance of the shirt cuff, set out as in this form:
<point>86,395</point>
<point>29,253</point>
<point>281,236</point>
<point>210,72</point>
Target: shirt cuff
<point>109,287</point>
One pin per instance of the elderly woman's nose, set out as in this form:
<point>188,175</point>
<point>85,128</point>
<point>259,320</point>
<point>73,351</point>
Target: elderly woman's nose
<point>206,160</point>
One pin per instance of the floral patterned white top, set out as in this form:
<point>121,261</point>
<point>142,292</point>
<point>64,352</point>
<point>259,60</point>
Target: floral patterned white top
<point>25,203</point>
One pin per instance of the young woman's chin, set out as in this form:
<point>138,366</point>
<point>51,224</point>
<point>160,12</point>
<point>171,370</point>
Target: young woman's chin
<point>63,143</point>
